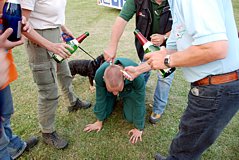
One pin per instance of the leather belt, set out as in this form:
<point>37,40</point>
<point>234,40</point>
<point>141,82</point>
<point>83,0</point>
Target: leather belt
<point>217,79</point>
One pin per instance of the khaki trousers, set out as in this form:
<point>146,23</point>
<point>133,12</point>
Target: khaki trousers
<point>45,74</point>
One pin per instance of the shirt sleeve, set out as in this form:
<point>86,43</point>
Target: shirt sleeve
<point>204,20</point>
<point>101,94</point>
<point>139,109</point>
<point>28,4</point>
<point>128,10</point>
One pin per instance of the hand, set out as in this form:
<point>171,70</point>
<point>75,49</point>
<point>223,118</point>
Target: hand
<point>60,49</point>
<point>156,59</point>
<point>157,39</point>
<point>5,43</point>
<point>26,25</point>
<point>136,134</point>
<point>4,67</point>
<point>67,31</point>
<point>93,127</point>
<point>132,71</point>
<point>110,54</point>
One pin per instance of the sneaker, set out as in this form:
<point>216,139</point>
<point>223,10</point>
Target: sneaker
<point>159,157</point>
<point>54,140</point>
<point>27,145</point>
<point>79,105</point>
<point>154,118</point>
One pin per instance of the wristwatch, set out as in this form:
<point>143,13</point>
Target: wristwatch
<point>167,61</point>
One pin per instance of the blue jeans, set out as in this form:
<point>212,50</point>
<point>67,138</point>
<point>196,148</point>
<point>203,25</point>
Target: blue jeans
<point>9,144</point>
<point>209,110</point>
<point>161,91</point>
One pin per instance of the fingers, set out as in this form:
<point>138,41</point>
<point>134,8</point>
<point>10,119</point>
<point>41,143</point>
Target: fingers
<point>131,131</point>
<point>7,33</point>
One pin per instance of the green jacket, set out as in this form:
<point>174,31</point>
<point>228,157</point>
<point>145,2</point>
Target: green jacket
<point>133,93</point>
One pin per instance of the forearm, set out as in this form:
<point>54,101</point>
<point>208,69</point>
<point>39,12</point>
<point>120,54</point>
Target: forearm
<point>38,39</point>
<point>143,67</point>
<point>198,55</point>
<point>117,31</point>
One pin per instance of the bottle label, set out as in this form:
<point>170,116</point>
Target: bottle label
<point>59,58</point>
<point>19,27</point>
<point>147,45</point>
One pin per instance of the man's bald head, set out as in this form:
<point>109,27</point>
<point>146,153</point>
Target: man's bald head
<point>114,79</point>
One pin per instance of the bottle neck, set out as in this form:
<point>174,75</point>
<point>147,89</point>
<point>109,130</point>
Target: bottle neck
<point>82,37</point>
<point>13,1</point>
<point>140,37</point>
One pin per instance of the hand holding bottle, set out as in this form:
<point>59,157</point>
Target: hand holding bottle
<point>156,59</point>
<point>157,39</point>
<point>60,49</point>
<point>5,43</point>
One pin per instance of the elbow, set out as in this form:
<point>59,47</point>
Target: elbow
<point>220,50</point>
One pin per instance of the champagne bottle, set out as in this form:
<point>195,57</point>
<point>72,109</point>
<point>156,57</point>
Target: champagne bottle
<point>149,47</point>
<point>12,18</point>
<point>74,44</point>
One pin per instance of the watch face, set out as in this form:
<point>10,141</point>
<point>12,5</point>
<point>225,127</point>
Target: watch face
<point>167,61</point>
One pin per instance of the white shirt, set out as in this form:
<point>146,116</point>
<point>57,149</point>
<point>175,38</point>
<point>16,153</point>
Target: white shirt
<point>45,13</point>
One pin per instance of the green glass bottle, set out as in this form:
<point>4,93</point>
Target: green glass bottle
<point>74,44</point>
<point>149,47</point>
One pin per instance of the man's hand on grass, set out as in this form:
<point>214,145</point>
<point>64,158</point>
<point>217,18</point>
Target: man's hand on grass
<point>136,134</point>
<point>97,126</point>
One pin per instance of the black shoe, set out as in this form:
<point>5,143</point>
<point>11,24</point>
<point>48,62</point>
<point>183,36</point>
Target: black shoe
<point>31,142</point>
<point>54,140</point>
<point>159,157</point>
<point>28,144</point>
<point>79,105</point>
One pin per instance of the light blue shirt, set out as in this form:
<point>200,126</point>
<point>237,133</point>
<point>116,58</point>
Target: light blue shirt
<point>196,22</point>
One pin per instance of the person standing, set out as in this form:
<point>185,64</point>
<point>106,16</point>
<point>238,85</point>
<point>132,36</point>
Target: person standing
<point>47,19</point>
<point>209,58</point>
<point>153,19</point>
<point>11,145</point>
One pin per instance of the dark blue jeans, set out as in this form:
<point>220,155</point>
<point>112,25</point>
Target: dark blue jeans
<point>209,110</point>
<point>10,144</point>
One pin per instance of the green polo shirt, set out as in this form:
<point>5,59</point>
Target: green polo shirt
<point>129,10</point>
<point>133,96</point>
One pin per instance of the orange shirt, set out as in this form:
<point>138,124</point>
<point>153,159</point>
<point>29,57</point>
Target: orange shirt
<point>12,69</point>
<point>12,73</point>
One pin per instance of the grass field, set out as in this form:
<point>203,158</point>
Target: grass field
<point>112,142</point>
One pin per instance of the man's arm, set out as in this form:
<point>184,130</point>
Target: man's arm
<point>57,48</point>
<point>192,56</point>
<point>138,110</point>
<point>117,31</point>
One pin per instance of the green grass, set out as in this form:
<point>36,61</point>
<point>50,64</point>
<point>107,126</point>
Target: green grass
<point>112,142</point>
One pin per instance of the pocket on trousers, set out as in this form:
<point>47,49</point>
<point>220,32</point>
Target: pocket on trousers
<point>43,74</point>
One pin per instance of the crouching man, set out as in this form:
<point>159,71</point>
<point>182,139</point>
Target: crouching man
<point>110,85</point>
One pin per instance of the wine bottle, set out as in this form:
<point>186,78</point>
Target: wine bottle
<point>149,47</point>
<point>74,44</point>
<point>12,18</point>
